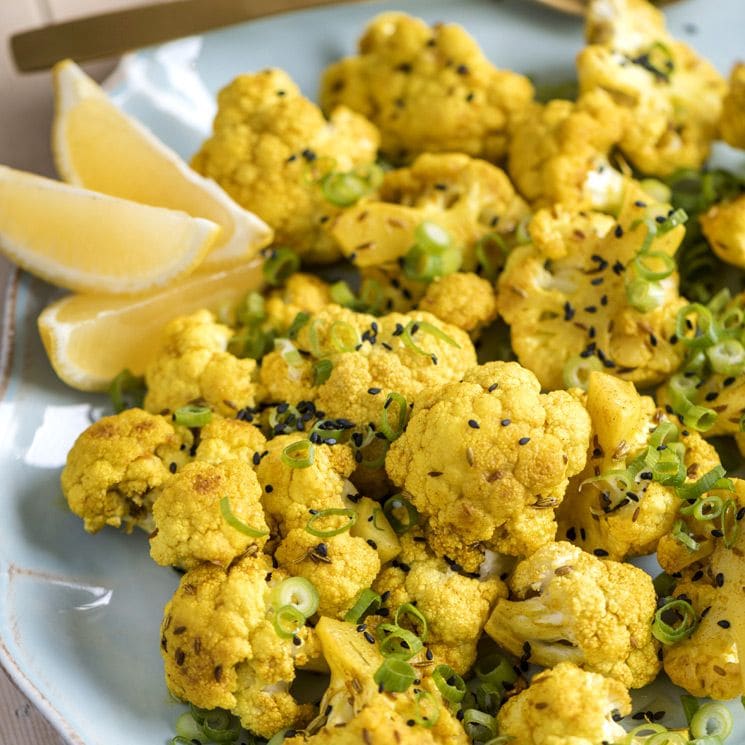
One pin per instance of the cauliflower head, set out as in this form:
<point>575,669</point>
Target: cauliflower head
<point>564,295</point>
<point>569,606</point>
<point>370,357</point>
<point>220,648</point>
<point>674,96</point>
<point>429,89</point>
<point>624,519</point>
<point>223,439</point>
<point>302,292</point>
<point>467,197</point>
<point>463,299</point>
<point>115,468</point>
<point>732,123</point>
<point>190,526</point>
<point>355,711</point>
<point>487,461</point>
<point>270,147</point>
<point>193,365</point>
<point>455,605</point>
<point>565,706</point>
<point>724,228</point>
<point>559,152</point>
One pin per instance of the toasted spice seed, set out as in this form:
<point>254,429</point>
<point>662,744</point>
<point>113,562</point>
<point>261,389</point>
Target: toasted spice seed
<point>373,391</point>
<point>217,672</point>
<point>571,534</point>
<point>434,474</point>
<point>600,552</point>
<point>473,424</point>
<point>493,387</point>
<point>719,670</point>
<point>583,534</point>
<point>505,422</point>
<point>561,571</point>
<point>297,641</point>
<point>179,630</point>
<point>719,580</point>
<point>369,637</point>
<point>724,624</point>
<point>469,456</point>
<point>180,657</point>
<point>523,441</point>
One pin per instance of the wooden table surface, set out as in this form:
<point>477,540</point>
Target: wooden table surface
<point>25,119</point>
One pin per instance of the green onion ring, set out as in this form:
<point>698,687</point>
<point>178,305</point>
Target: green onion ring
<point>368,601</point>
<point>342,295</point>
<point>496,670</point>
<point>289,352</point>
<point>403,412</point>
<point>426,715</point>
<point>680,534</point>
<point>727,357</point>
<point>219,726</point>
<point>668,634</point>
<point>431,237</point>
<point>663,433</point>
<point>288,620</point>
<point>278,738</point>
<point>394,675</point>
<point>293,456</point>
<point>643,295</point>
<point>712,720</point>
<point>577,371</point>
<point>730,525</point>
<point>418,619</point>
<point>397,642</point>
<point>297,324</point>
<point>704,327</point>
<point>188,727</point>
<point>322,370</point>
<point>192,415</point>
<point>451,686</point>
<point>343,189</point>
<point>298,592</point>
<point>251,310</point>
<point>478,724</point>
<point>280,265</point>
<point>644,271</point>
<point>667,738</point>
<point>423,265</point>
<point>337,332</point>
<point>699,418</point>
<point>414,326</point>
<point>127,390</point>
<point>703,484</point>
<point>350,514</point>
<point>237,524</point>
<point>396,503</point>
<point>708,508</point>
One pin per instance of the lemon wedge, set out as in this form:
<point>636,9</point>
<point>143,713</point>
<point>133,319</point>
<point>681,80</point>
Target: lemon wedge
<point>99,147</point>
<point>91,338</point>
<point>91,242</point>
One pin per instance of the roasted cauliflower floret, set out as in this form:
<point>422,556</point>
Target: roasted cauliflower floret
<point>627,516</point>
<point>569,606</point>
<point>456,606</point>
<point>225,439</point>
<point>193,364</point>
<point>302,292</point>
<point>370,357</point>
<point>355,711</point>
<point>190,526</point>
<point>565,706</point>
<point>468,198</point>
<point>732,123</point>
<point>114,468</point>
<point>463,299</point>
<point>487,461</point>
<point>220,648</point>
<point>724,228</point>
<point>347,565</point>
<point>565,294</point>
<point>673,95</point>
<point>558,152</point>
<point>429,89</point>
<point>288,493</point>
<point>269,148</point>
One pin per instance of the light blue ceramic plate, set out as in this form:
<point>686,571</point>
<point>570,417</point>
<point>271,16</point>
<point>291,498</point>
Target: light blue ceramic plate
<point>79,614</point>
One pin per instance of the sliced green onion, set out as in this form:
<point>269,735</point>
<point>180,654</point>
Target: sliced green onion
<point>199,714</point>
<point>720,301</point>
<point>278,738</point>
<point>127,391</point>
<point>349,514</point>
<point>414,327</point>
<point>251,310</point>
<point>703,484</point>
<point>397,642</point>
<point>322,371</point>
<point>298,592</point>
<point>682,388</point>
<point>682,627</point>
<point>644,296</point>
<point>343,336</point>
<point>431,237</point>
<point>394,675</point>
<point>577,371</point>
<point>327,429</point>
<point>479,725</point>
<point>664,265</point>
<point>399,401</point>
<point>643,731</point>
<point>343,189</point>
<point>300,454</point>
<point>667,738</point>
<point>702,326</point>
<point>657,190</point>
<point>727,357</point>
<point>180,740</point>
<point>496,670</point>
<point>280,265</point>
<point>342,295</point>
<point>730,525</point>
<point>491,252</point>
<point>372,297</point>
<point>712,720</point>
<point>678,217</point>
<point>690,705</point>
<point>417,619</point>
<point>680,534</point>
<point>252,342</point>
<point>192,415</point>
<point>699,418</point>
<point>663,433</point>
<point>289,352</point>
<point>707,508</point>
<point>220,726</point>
<point>288,620</point>
<point>368,601</point>
<point>450,685</point>
<point>522,234</point>
<point>237,524</point>
<point>188,728</point>
<point>664,585</point>
<point>423,265</point>
<point>393,509</point>
<point>426,709</point>
<point>380,446</point>
<point>297,324</point>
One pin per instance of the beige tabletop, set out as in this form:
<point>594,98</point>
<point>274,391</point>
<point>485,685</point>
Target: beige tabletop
<point>25,118</point>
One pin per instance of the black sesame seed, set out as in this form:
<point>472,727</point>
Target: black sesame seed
<point>268,488</point>
<point>600,552</point>
<point>373,391</point>
<point>523,441</point>
<point>719,580</point>
<point>172,468</point>
<point>473,424</point>
<point>505,422</point>
<point>618,232</point>
<point>723,623</point>
<point>571,534</point>
<point>493,387</point>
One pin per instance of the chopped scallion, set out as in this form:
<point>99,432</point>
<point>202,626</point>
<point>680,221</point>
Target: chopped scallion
<point>300,454</point>
<point>394,675</point>
<point>192,415</point>
<point>280,265</point>
<point>349,514</point>
<point>238,524</point>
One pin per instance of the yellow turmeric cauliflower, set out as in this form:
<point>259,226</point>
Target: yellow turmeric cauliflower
<point>301,293</point>
<point>487,461</point>
<point>220,648</point>
<point>568,606</point>
<point>732,123</point>
<point>193,365</point>
<point>625,518</point>
<point>558,152</point>
<point>456,606</point>
<point>354,710</point>
<point>467,197</point>
<point>225,439</point>
<point>385,360</point>
<point>114,468</point>
<point>269,147</point>
<point>673,95</point>
<point>565,706</point>
<point>463,299</point>
<point>190,527</point>
<point>565,294</point>
<point>429,89</point>
<point>347,565</point>
<point>724,228</point>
